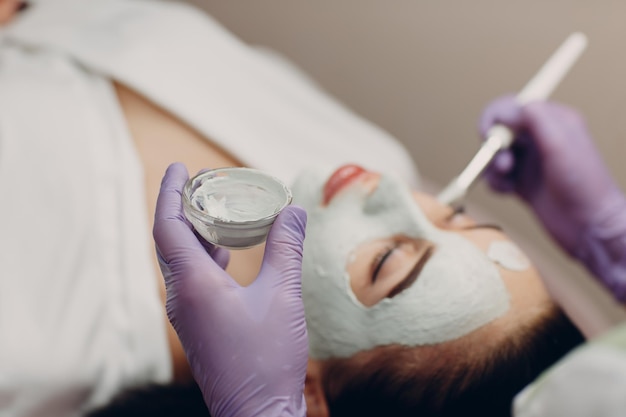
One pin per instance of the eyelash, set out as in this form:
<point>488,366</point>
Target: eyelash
<point>380,259</point>
<point>455,212</point>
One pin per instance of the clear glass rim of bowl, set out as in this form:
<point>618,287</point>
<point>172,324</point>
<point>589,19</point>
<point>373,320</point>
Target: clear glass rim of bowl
<point>203,216</point>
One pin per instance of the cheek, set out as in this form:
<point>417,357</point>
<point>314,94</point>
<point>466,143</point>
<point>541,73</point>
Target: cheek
<point>523,283</point>
<point>526,288</point>
<point>359,269</point>
<point>500,250</point>
<point>327,244</point>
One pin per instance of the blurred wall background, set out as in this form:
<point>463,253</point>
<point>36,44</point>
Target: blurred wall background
<point>423,70</point>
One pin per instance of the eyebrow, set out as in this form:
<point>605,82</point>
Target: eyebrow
<point>484,226</point>
<point>411,277</point>
<point>461,209</point>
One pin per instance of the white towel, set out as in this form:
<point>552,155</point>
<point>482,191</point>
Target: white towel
<point>80,316</point>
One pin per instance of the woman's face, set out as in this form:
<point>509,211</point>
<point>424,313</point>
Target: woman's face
<point>385,265</point>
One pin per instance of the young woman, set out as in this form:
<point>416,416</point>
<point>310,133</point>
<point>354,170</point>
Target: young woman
<point>410,307</point>
<point>98,98</point>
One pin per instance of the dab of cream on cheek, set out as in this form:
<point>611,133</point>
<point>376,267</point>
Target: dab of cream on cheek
<point>508,255</point>
<point>234,201</point>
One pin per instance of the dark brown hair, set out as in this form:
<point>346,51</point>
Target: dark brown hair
<point>452,379</point>
<point>155,400</point>
<point>469,378</point>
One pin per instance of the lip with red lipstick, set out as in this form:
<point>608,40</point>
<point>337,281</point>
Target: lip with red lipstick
<point>340,179</point>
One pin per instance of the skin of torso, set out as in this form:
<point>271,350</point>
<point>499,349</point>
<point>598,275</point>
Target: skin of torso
<point>160,139</point>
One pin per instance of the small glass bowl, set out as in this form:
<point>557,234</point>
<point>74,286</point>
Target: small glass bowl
<point>234,207</point>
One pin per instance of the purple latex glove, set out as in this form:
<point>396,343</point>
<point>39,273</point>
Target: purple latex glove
<point>247,346</point>
<point>554,166</point>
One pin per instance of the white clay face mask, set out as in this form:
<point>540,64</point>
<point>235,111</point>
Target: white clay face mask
<point>458,290</point>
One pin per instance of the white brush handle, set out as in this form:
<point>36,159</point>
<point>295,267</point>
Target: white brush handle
<point>549,76</point>
<point>554,70</point>
<point>500,137</point>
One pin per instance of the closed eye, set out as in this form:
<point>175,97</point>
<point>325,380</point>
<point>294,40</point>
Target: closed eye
<point>379,267</point>
<point>413,274</point>
<point>387,265</point>
<point>380,259</point>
